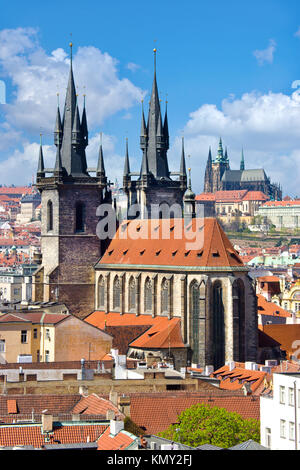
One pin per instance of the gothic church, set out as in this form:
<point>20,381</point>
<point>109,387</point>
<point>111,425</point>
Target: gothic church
<point>190,305</point>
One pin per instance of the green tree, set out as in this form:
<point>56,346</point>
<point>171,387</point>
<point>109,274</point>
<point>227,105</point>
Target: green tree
<point>203,424</point>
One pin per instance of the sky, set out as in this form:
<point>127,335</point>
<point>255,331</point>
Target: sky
<point>227,69</point>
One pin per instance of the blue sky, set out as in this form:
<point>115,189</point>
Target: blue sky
<point>226,67</point>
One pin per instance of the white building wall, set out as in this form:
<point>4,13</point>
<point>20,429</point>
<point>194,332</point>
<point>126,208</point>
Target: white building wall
<point>281,409</point>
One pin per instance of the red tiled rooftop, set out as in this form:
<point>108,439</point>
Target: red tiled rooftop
<point>156,412</point>
<point>118,442</point>
<point>269,308</point>
<point>161,332</point>
<point>95,405</point>
<point>287,335</point>
<point>145,245</point>
<point>26,435</point>
<point>235,379</point>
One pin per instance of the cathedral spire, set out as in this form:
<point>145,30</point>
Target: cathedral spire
<point>208,183</point>
<point>242,164</point>
<point>220,155</point>
<point>156,146</point>
<point>182,162</point>
<point>145,166</point>
<point>143,134</point>
<point>84,128</point>
<point>58,169</point>
<point>58,132</point>
<point>166,128</point>
<point>126,165</point>
<point>100,166</point>
<point>41,165</point>
<point>73,148</point>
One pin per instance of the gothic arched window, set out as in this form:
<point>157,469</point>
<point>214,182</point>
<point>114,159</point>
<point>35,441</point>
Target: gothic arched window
<point>148,295</point>
<point>49,216</point>
<point>116,293</point>
<point>132,294</point>
<point>101,292</point>
<point>164,296</point>
<point>79,217</point>
<point>218,325</point>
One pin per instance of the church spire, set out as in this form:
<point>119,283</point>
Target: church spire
<point>220,155</point>
<point>242,164</point>
<point>156,145</point>
<point>126,165</point>
<point>73,146</point>
<point>58,132</point>
<point>58,169</point>
<point>143,135</point>
<point>84,127</point>
<point>208,183</point>
<point>100,166</point>
<point>182,162</point>
<point>145,166</point>
<point>41,165</point>
<point>166,128</point>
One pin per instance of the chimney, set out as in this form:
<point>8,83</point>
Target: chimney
<point>47,422</point>
<point>231,365</point>
<point>124,404</point>
<point>116,427</point>
<point>110,415</point>
<point>113,397</point>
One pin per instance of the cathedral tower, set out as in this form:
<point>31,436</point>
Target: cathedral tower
<point>154,184</point>
<point>70,197</point>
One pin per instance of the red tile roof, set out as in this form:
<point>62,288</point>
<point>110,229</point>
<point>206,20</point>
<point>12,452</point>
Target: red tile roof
<point>161,245</point>
<point>236,378</point>
<point>269,308</point>
<point>95,405</point>
<point>120,441</point>
<point>34,317</point>
<point>238,195</point>
<point>286,335</point>
<point>282,203</point>
<point>156,412</point>
<point>21,435</point>
<point>161,333</point>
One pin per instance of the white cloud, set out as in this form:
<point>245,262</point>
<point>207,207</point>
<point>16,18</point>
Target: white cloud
<point>266,126</point>
<point>37,77</point>
<point>133,67</point>
<point>266,55</point>
<point>297,33</point>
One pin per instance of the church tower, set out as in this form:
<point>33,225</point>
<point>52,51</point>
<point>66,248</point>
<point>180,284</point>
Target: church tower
<point>154,184</point>
<point>70,197</point>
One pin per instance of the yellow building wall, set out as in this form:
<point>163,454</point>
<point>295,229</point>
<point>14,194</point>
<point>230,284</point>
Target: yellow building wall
<point>76,339</point>
<point>11,333</point>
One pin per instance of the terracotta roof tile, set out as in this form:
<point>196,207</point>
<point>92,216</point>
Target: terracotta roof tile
<point>118,442</point>
<point>157,412</point>
<point>269,308</point>
<point>216,249</point>
<point>161,332</point>
<point>12,435</point>
<point>95,405</point>
<point>287,335</point>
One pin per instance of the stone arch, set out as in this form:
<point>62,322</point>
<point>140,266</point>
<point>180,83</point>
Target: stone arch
<point>238,301</point>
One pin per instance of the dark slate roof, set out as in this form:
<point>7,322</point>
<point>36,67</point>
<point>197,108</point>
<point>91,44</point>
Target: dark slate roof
<point>248,445</point>
<point>254,175</point>
<point>244,175</point>
<point>232,175</point>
